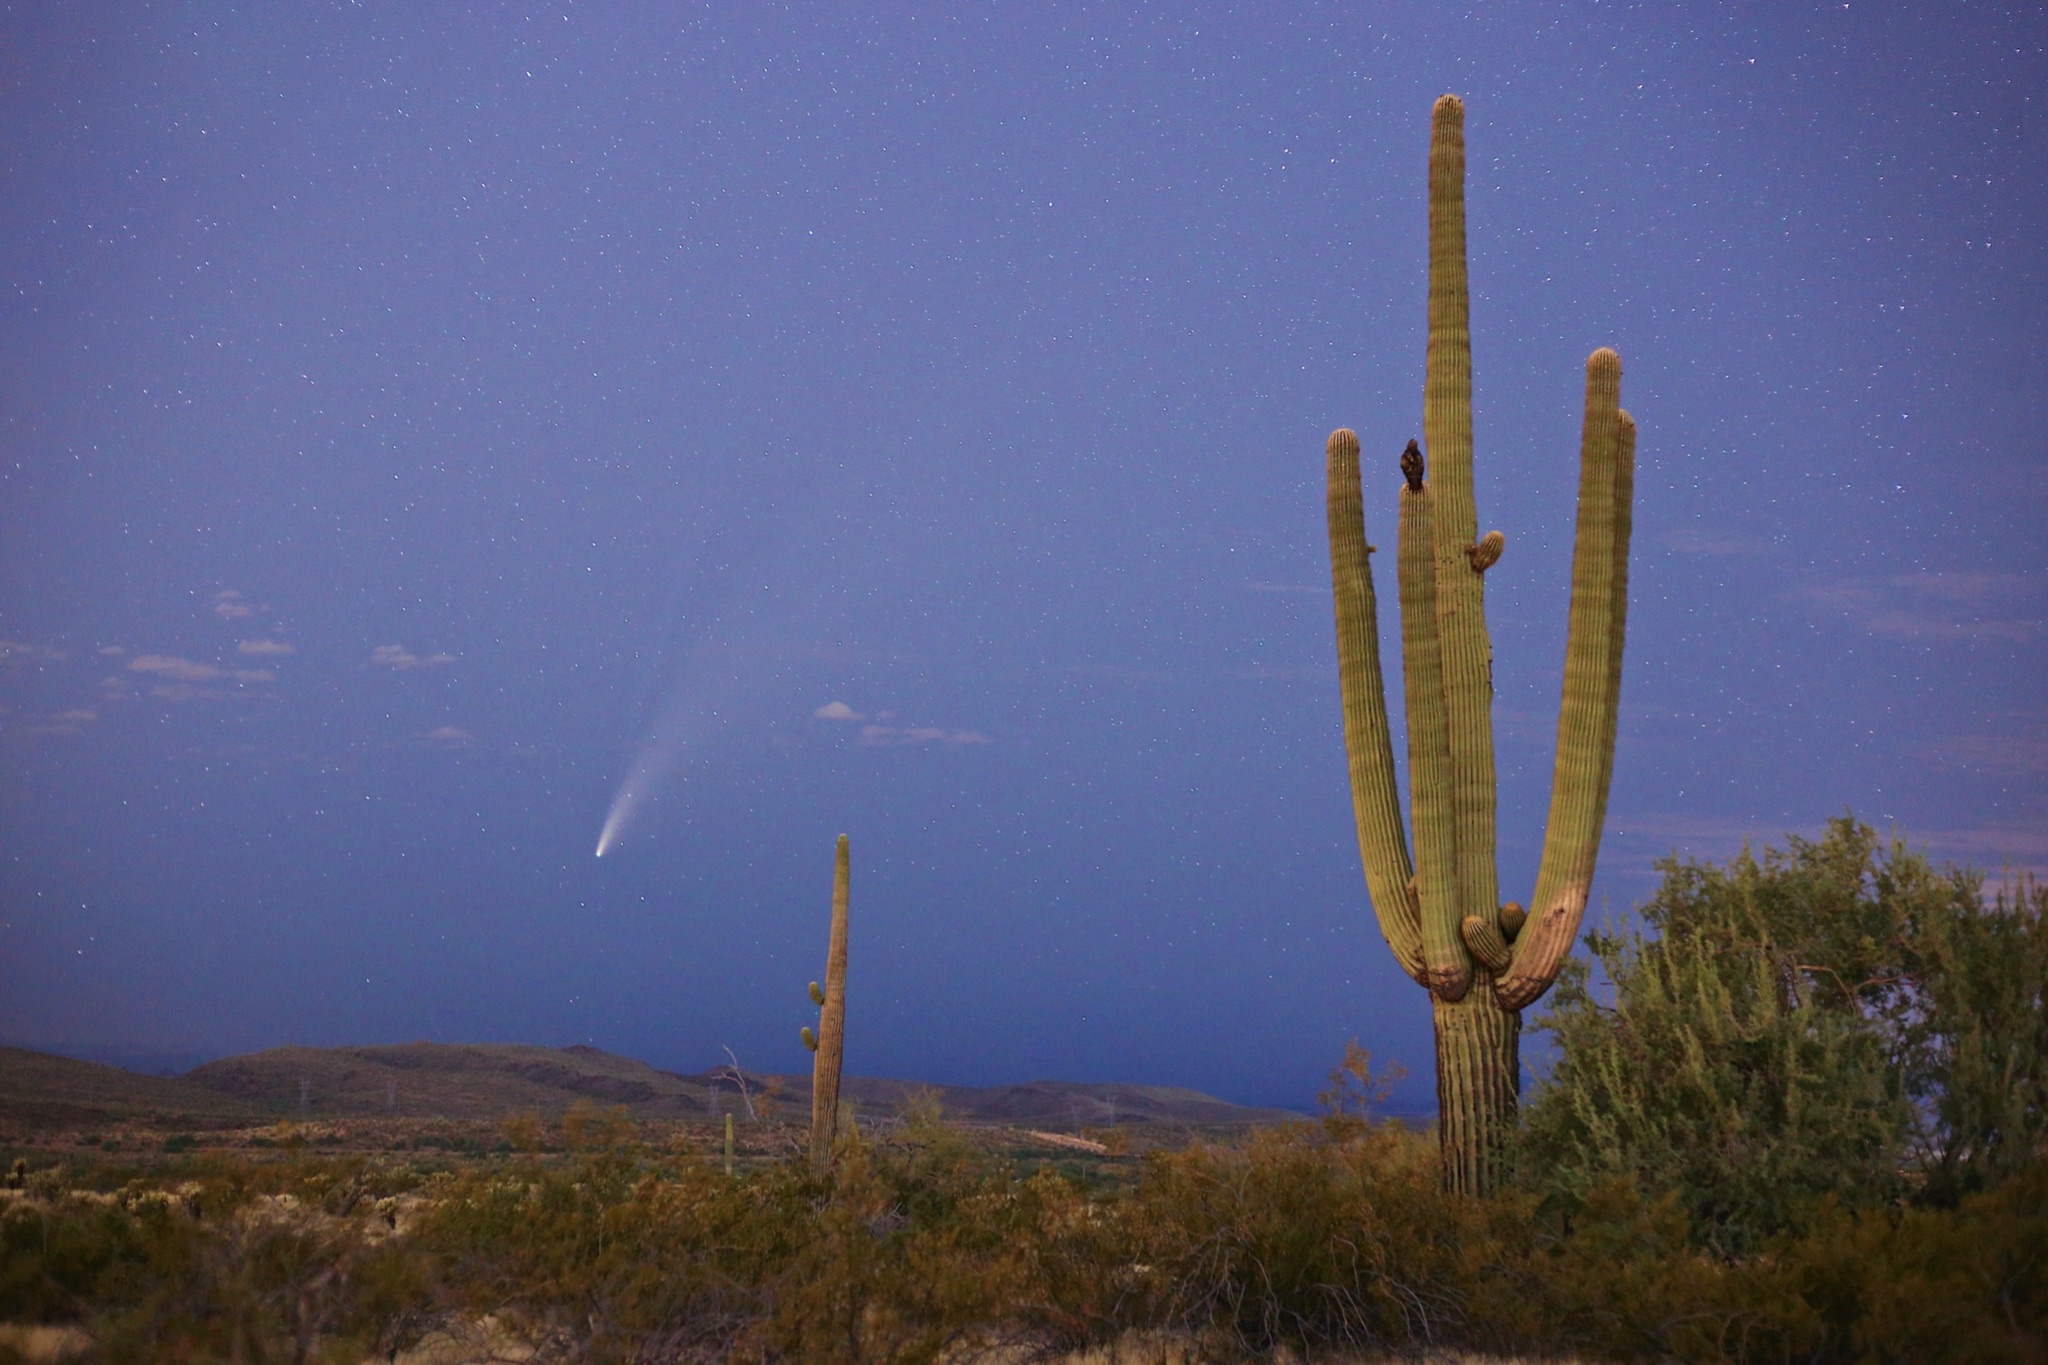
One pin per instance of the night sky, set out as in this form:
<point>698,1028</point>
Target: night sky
<point>433,430</point>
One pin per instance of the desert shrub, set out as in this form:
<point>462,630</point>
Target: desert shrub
<point>55,1256</point>
<point>617,1245</point>
<point>1316,1238</point>
<point>1839,1023</point>
<point>203,1270</point>
<point>913,1250</point>
<point>1971,1019</point>
<point>1963,1285</point>
<point>1311,1237</point>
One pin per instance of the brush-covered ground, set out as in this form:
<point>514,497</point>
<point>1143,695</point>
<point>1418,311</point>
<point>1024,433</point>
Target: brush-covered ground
<point>594,1237</point>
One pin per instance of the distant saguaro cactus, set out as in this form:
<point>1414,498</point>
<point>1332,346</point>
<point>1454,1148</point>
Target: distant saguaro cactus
<point>1481,961</point>
<point>828,1044</point>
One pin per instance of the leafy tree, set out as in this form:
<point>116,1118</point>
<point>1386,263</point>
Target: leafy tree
<point>1840,1020</point>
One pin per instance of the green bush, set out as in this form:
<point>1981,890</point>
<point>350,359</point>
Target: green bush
<point>1840,1021</point>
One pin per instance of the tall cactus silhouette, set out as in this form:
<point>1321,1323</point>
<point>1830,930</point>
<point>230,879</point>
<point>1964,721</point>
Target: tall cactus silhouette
<point>828,1044</point>
<point>1480,960</point>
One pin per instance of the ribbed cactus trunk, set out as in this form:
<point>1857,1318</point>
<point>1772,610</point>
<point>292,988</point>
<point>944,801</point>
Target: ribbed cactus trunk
<point>829,1046</point>
<point>1440,912</point>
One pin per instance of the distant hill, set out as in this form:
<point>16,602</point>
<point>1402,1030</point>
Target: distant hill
<point>498,1080</point>
<point>450,1080</point>
<point>491,1080</point>
<point>38,1090</point>
<point>1058,1104</point>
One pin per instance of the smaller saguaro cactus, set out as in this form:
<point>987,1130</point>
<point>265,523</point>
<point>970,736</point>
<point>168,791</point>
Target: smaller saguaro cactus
<point>728,1142</point>
<point>828,1044</point>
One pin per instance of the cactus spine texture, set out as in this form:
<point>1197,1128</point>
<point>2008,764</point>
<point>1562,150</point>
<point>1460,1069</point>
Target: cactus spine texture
<point>828,1045</point>
<point>1481,961</point>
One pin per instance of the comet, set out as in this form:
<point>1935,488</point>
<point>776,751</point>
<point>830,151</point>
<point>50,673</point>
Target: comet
<point>739,618</point>
<point>688,719</point>
<point>660,755</point>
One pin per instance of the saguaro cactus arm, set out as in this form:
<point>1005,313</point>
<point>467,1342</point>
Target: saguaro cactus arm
<point>1460,592</point>
<point>1368,745</point>
<point>831,1053</point>
<point>1449,970</point>
<point>1592,686</point>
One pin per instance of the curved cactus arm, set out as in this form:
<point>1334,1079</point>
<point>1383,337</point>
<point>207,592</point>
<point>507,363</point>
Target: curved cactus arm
<point>1368,745</point>
<point>831,1019</point>
<point>1592,688</point>
<point>1449,970</point>
<point>1460,592</point>
<point>1483,937</point>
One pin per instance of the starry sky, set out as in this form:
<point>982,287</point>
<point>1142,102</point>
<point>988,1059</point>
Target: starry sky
<point>432,431</point>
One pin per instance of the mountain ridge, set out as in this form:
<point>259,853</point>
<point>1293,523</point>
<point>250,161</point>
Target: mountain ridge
<point>484,1081</point>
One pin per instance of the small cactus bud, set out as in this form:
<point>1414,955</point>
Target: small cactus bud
<point>1486,945</point>
<point>810,1040</point>
<point>1486,553</point>
<point>1512,918</point>
<point>817,995</point>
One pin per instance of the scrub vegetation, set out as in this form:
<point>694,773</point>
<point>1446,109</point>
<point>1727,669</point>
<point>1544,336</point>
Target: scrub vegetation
<point>1801,1119</point>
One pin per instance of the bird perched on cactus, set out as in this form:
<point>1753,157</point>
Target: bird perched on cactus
<point>1481,961</point>
<point>828,1044</point>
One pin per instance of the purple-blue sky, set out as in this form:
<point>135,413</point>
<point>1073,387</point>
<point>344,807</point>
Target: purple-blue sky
<point>412,412</point>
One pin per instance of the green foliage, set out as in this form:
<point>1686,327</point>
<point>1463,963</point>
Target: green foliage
<point>1837,1021</point>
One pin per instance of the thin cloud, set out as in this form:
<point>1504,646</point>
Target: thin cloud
<point>1690,833</point>
<point>2019,845</point>
<point>1271,673</point>
<point>255,675</point>
<point>2006,755</point>
<point>264,647</point>
<point>230,605</point>
<point>21,652</point>
<point>1118,673</point>
<point>1937,606</point>
<point>64,722</point>
<point>919,734</point>
<point>837,710</point>
<point>1694,541</point>
<point>1998,847</point>
<point>112,649</point>
<point>450,736</point>
<point>186,692</point>
<point>171,666</point>
<point>404,660</point>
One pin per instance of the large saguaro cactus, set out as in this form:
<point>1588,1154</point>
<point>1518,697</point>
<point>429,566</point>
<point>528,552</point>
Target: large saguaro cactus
<point>828,1044</point>
<point>1480,960</point>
